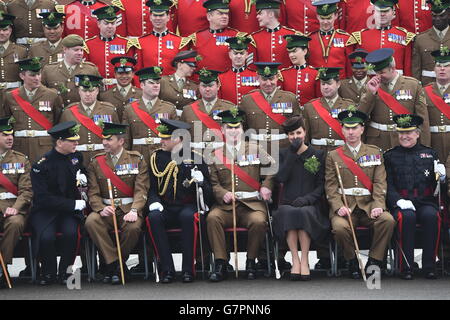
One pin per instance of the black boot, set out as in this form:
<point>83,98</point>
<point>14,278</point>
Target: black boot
<point>168,277</point>
<point>323,264</point>
<point>407,274</point>
<point>353,269</point>
<point>250,269</point>
<point>373,262</point>
<point>220,271</point>
<point>3,282</point>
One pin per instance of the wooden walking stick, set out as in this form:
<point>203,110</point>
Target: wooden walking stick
<point>116,232</point>
<point>5,271</point>
<point>236,262</point>
<point>341,185</point>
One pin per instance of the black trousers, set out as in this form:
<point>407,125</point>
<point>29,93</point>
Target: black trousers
<point>67,243</point>
<point>172,217</point>
<point>429,220</point>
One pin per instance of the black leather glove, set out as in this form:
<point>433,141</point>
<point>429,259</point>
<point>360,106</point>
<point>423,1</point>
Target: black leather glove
<point>300,202</point>
<point>296,144</point>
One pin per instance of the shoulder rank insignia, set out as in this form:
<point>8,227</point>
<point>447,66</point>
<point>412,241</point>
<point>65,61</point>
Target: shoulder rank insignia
<point>133,42</point>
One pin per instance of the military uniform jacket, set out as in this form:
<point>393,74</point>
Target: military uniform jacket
<point>422,61</point>
<point>184,195</point>
<point>440,140</point>
<point>301,80</point>
<point>415,15</point>
<point>28,22</point>
<point>190,17</point>
<point>447,169</point>
<point>396,38</point>
<point>374,170</point>
<point>190,117</point>
<point>49,104</point>
<point>243,16</point>
<point>246,159</point>
<point>114,97</point>
<point>138,129</point>
<point>42,49</point>
<point>131,168</point>
<point>349,90</point>
<point>211,46</point>
<point>301,16</point>
<point>179,97</point>
<point>331,50</point>
<point>160,50</point>
<point>9,71</point>
<point>380,113</point>
<point>16,167</point>
<point>236,83</point>
<point>57,76</point>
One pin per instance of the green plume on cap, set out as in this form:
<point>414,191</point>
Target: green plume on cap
<point>351,108</point>
<point>157,70</point>
<point>312,164</point>
<point>204,73</point>
<point>11,120</point>
<point>198,58</point>
<point>35,60</point>
<point>288,38</point>
<point>234,111</point>
<point>110,10</point>
<point>370,67</point>
<point>162,128</point>
<point>267,71</point>
<point>322,72</point>
<point>253,1</point>
<point>123,61</point>
<point>437,2</point>
<point>75,129</point>
<point>62,88</point>
<point>444,51</point>
<point>86,82</point>
<point>225,1</point>
<point>51,16</point>
<point>100,123</point>
<point>404,121</point>
<point>157,2</point>
<point>358,59</point>
<point>325,7</point>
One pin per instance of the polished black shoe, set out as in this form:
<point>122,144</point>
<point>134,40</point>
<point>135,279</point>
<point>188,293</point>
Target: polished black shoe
<point>373,262</point>
<point>353,269</point>
<point>250,269</point>
<point>305,277</point>
<point>323,264</point>
<point>3,282</point>
<point>187,277</point>
<point>47,279</point>
<point>220,271</point>
<point>407,275</point>
<point>283,265</point>
<point>62,279</point>
<point>25,273</point>
<point>430,274</point>
<point>168,277</point>
<point>295,276</point>
<point>115,279</point>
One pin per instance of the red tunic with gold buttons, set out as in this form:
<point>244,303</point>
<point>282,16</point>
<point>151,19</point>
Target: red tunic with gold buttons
<point>243,16</point>
<point>271,46</point>
<point>190,17</point>
<point>396,38</point>
<point>79,19</point>
<point>301,81</point>
<point>236,82</point>
<point>415,15</point>
<point>331,50</point>
<point>159,49</point>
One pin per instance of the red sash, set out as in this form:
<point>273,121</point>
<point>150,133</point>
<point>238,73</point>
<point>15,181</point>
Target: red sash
<point>325,115</point>
<point>206,119</point>
<point>244,176</point>
<point>31,111</point>
<point>4,181</point>
<point>145,117</point>
<point>116,181</point>
<point>87,122</point>
<point>392,103</point>
<point>438,101</point>
<point>355,169</point>
<point>264,105</point>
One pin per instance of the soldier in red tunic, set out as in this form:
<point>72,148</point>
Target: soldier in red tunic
<point>243,16</point>
<point>415,15</point>
<point>238,80</point>
<point>300,78</point>
<point>190,17</point>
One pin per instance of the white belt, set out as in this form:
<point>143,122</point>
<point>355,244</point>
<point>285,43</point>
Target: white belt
<point>7,195</point>
<point>246,195</point>
<point>146,141</point>
<point>327,142</point>
<point>268,137</point>
<point>436,129</point>
<point>119,201</point>
<point>383,127</point>
<point>430,74</point>
<point>356,192</point>
<point>203,145</point>
<point>10,85</point>
<point>109,82</point>
<point>26,40</point>
<point>31,133</point>
<point>89,147</point>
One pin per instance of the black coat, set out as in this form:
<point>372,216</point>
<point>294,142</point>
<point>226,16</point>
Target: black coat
<point>53,180</point>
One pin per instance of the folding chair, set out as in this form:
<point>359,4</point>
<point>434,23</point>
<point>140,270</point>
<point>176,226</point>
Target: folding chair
<point>26,237</point>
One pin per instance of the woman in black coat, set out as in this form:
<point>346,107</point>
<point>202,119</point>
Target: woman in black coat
<point>301,215</point>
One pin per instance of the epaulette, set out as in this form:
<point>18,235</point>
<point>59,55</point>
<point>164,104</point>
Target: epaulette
<point>118,4</point>
<point>85,46</point>
<point>106,103</point>
<point>241,34</point>
<point>132,42</point>
<point>252,41</point>
<point>348,100</point>
<point>293,30</point>
<point>98,154</point>
<point>53,63</point>
<point>86,62</point>
<point>280,76</point>
<point>401,29</point>
<point>226,102</point>
<point>20,154</point>
<point>91,38</point>
<point>184,42</point>
<point>409,37</point>
<point>40,161</point>
<point>193,37</point>
<point>135,153</point>
<point>288,68</point>
<point>372,146</point>
<point>174,4</point>
<point>257,31</point>
<point>411,78</point>
<point>60,8</point>
<point>356,36</point>
<point>340,31</point>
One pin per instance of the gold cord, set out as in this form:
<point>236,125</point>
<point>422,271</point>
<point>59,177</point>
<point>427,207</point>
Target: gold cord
<point>170,170</point>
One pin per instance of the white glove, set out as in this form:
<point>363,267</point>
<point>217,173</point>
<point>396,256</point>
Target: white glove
<point>81,178</point>
<point>156,206</point>
<point>197,175</point>
<point>80,204</point>
<point>405,204</point>
<point>439,168</point>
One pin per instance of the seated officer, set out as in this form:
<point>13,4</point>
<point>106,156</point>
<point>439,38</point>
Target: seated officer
<point>172,199</point>
<point>364,182</point>
<point>128,173</point>
<point>410,169</point>
<point>251,211</point>
<point>15,193</point>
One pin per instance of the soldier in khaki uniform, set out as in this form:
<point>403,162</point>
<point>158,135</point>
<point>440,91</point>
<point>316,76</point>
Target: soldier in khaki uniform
<point>428,41</point>
<point>177,88</point>
<point>365,192</point>
<point>266,103</point>
<point>251,211</point>
<point>14,204</point>
<point>36,109</point>
<point>89,112</point>
<point>131,169</point>
<point>28,29</point>
<point>124,92</point>
<point>10,53</point>
<point>389,93</point>
<point>354,88</point>
<point>202,114</point>
<point>51,48</point>
<point>144,115</point>
<point>61,75</point>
